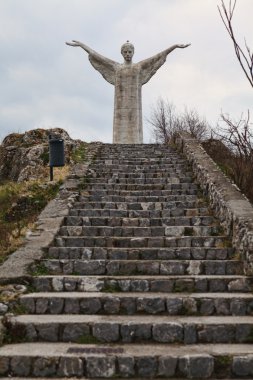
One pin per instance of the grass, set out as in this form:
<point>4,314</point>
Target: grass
<point>88,339</point>
<point>222,365</point>
<point>39,270</point>
<point>18,309</point>
<point>20,205</point>
<point>14,333</point>
<point>84,183</point>
<point>79,154</point>
<point>226,243</point>
<point>111,288</point>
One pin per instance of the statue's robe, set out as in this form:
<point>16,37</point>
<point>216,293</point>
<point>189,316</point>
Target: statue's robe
<point>127,80</point>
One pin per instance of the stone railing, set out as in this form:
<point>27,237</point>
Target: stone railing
<point>229,204</point>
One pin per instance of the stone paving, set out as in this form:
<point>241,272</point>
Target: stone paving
<point>141,281</point>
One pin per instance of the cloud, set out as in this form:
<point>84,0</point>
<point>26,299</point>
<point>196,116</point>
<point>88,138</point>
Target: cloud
<point>45,82</point>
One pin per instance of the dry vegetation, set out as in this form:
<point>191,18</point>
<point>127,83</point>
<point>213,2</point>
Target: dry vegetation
<point>20,205</point>
<point>22,202</point>
<point>231,148</point>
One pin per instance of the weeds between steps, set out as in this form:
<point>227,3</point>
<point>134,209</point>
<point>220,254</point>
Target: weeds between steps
<point>39,270</point>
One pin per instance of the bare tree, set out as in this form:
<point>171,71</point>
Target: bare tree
<point>196,125</point>
<point>245,58</point>
<point>166,123</point>
<point>238,137</point>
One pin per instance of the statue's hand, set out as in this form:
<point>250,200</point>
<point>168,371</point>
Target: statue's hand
<point>73,43</point>
<point>183,46</point>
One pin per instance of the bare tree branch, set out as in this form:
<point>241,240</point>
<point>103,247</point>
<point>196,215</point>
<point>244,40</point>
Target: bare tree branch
<point>238,137</point>
<point>166,123</point>
<point>245,59</point>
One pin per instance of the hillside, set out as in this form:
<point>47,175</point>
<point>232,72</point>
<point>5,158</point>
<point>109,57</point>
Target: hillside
<point>24,181</point>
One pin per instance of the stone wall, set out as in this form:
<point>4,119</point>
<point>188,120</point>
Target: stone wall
<point>229,204</point>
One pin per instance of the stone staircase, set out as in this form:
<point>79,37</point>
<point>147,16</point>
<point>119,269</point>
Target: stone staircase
<point>141,282</point>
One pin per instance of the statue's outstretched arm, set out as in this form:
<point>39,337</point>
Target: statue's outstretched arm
<point>173,47</point>
<point>104,65</point>
<point>81,45</point>
<point>150,65</point>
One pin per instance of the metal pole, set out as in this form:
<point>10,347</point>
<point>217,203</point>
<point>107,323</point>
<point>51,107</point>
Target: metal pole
<point>51,173</point>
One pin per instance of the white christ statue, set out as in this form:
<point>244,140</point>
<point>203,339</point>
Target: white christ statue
<point>127,78</point>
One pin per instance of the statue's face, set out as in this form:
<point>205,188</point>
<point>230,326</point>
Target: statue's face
<point>127,53</point>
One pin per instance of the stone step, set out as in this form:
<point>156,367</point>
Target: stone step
<point>144,187</point>
<point>143,242</point>
<point>143,267</point>
<point>130,329</point>
<point>130,360</point>
<point>194,253</point>
<point>132,231</point>
<point>140,222</point>
<point>93,191</point>
<point>173,206</point>
<point>195,304</point>
<point>136,199</point>
<point>143,176</point>
<point>162,284</point>
<point>74,378</point>
<point>115,170</point>
<point>124,167</point>
<point>136,181</point>
<point>124,213</point>
<point>134,165</point>
<point>139,161</point>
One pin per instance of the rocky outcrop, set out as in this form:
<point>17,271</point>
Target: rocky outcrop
<point>25,156</point>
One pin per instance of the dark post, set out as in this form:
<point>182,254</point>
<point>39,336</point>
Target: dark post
<point>56,154</point>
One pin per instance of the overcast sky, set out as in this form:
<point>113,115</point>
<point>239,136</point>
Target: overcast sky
<point>45,83</point>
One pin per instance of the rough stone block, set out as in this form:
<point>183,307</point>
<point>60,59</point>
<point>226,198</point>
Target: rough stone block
<point>196,366</point>
<point>48,332</point>
<point>41,305</point>
<point>151,305</point>
<point>135,332</point>
<point>4,365</point>
<point>70,284</point>
<point>106,332</point>
<point>112,305</point>
<point>28,304</point>
<point>146,366</point>
<point>70,367</point>
<point>222,306</point>
<point>100,366</point>
<point>243,365</point>
<point>167,366</point>
<point>90,306</point>
<point>128,306</point>
<point>74,332</point>
<point>55,305</point>
<point>190,336</point>
<point>174,306</point>
<point>168,332</point>
<point>207,306</point>
<point>71,306</point>
<point>44,367</point>
<point>126,366</point>
<point>57,284</point>
<point>139,286</point>
<point>161,285</point>
<point>238,307</point>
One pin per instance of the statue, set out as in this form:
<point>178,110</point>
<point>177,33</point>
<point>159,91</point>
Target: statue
<point>127,79</point>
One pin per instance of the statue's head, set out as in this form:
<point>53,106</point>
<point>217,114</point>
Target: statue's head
<point>127,50</point>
